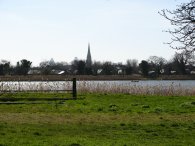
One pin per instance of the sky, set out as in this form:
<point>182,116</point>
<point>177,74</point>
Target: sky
<point>117,30</point>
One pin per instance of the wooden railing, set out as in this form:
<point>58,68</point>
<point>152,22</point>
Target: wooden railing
<point>73,92</point>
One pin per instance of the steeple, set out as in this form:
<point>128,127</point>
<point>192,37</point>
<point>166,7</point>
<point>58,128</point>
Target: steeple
<point>88,61</point>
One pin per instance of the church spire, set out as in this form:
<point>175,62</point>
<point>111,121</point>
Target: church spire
<point>89,60</point>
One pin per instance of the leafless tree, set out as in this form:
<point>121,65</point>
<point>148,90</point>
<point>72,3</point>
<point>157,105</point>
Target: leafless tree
<point>183,19</point>
<point>160,61</point>
<point>131,66</point>
<point>157,63</point>
<point>182,60</point>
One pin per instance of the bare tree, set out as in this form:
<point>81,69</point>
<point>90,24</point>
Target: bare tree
<point>157,60</point>
<point>131,66</point>
<point>183,19</point>
<point>157,63</point>
<point>182,60</point>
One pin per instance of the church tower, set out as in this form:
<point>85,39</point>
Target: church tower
<point>88,61</point>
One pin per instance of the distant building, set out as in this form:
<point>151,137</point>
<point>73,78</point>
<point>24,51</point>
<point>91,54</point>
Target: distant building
<point>34,72</point>
<point>89,60</point>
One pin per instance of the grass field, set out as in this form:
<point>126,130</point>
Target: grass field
<point>99,120</point>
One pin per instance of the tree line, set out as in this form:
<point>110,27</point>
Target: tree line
<point>181,63</point>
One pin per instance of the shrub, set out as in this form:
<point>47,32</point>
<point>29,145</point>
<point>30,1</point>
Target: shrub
<point>113,107</point>
<point>145,106</point>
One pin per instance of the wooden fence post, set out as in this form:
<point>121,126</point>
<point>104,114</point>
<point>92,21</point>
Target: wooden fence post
<point>74,88</point>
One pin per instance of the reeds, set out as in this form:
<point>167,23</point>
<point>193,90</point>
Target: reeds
<point>35,86</point>
<point>164,90</point>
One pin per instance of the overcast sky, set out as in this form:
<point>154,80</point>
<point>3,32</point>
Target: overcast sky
<point>117,30</point>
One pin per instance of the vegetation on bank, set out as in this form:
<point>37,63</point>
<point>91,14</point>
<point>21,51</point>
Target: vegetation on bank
<point>99,119</point>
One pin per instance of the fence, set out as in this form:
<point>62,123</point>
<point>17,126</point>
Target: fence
<point>73,92</point>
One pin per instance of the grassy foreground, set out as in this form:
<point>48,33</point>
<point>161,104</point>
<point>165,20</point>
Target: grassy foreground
<point>99,120</point>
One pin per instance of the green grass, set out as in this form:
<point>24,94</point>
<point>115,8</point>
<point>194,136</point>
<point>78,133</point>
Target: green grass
<point>99,120</point>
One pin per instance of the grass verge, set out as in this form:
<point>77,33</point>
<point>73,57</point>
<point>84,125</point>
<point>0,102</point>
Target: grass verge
<point>99,120</point>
